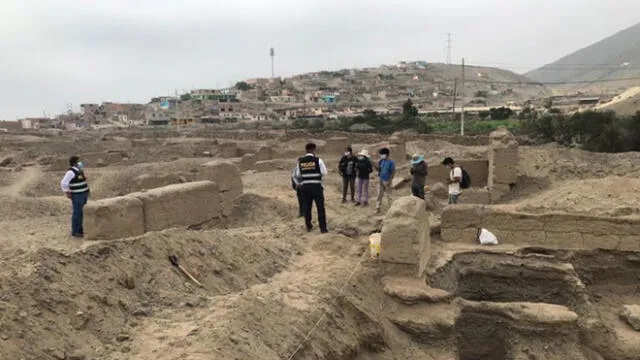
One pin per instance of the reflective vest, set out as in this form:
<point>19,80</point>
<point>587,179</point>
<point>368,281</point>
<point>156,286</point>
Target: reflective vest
<point>310,170</point>
<point>79,183</point>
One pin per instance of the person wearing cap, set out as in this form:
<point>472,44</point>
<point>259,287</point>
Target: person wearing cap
<point>455,177</point>
<point>74,185</point>
<point>419,172</point>
<point>364,169</point>
<point>347,169</point>
<point>307,176</point>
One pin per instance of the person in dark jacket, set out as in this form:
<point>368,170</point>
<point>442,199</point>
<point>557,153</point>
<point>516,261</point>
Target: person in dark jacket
<point>347,169</point>
<point>419,171</point>
<point>364,169</point>
<point>299,195</point>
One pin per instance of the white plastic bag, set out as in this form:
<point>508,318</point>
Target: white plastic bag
<point>486,237</point>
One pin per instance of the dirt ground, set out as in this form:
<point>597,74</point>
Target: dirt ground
<point>272,290</point>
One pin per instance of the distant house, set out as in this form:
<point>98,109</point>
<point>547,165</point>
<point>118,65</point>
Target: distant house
<point>10,125</point>
<point>589,101</point>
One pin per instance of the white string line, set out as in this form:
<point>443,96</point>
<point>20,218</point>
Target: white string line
<point>355,268</point>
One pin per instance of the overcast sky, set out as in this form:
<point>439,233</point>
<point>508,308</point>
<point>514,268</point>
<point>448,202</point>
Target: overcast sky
<point>77,51</point>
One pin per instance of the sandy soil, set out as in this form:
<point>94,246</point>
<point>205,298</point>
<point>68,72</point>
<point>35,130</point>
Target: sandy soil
<point>271,290</point>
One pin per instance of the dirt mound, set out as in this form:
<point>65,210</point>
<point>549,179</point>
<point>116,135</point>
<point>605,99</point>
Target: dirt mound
<point>558,163</point>
<point>255,210</point>
<point>124,297</point>
<point>609,196</point>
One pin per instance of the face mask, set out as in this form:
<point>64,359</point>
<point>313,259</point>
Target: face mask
<point>383,156</point>
<point>346,153</point>
<point>80,165</point>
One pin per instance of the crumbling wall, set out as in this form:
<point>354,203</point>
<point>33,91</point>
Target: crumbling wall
<point>228,150</point>
<point>405,233</point>
<point>247,162</point>
<point>264,153</point>
<point>228,178</point>
<point>503,157</point>
<point>478,171</point>
<point>212,195</point>
<point>460,223</point>
<point>114,218</point>
<point>180,205</point>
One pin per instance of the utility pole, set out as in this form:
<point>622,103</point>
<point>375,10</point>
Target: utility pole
<point>453,109</point>
<point>446,68</point>
<point>462,111</point>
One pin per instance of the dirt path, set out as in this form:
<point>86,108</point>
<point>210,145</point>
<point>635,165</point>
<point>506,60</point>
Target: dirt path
<point>22,181</point>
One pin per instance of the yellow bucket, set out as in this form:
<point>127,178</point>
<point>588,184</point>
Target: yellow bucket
<point>374,245</point>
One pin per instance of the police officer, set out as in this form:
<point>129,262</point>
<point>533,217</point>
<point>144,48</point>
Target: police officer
<point>74,185</point>
<point>308,176</point>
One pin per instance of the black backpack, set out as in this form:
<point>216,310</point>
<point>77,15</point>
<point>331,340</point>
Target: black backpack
<point>465,182</point>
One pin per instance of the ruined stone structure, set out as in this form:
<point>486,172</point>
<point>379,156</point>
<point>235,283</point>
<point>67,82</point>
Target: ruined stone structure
<point>228,150</point>
<point>461,223</point>
<point>503,163</point>
<point>405,233</point>
<point>176,205</point>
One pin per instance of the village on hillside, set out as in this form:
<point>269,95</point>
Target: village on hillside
<point>433,88</point>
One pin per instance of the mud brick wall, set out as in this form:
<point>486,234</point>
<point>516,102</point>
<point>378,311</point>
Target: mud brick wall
<point>460,223</point>
<point>160,208</point>
<point>503,155</point>
<point>227,176</point>
<point>478,171</point>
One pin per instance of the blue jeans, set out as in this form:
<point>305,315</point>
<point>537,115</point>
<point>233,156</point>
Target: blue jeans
<point>78,201</point>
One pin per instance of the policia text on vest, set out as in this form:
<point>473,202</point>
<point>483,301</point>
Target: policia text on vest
<point>308,176</point>
<point>74,184</point>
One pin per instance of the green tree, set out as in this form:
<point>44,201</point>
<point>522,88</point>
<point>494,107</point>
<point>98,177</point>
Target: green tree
<point>243,86</point>
<point>408,110</point>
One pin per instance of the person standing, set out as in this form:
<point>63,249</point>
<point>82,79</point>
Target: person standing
<point>347,169</point>
<point>298,191</point>
<point>308,176</point>
<point>454,180</point>
<point>386,171</point>
<point>364,169</point>
<point>74,185</point>
<point>419,171</point>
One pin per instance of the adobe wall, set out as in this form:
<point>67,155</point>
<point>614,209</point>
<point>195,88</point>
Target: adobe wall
<point>114,218</point>
<point>213,195</point>
<point>503,155</point>
<point>478,171</point>
<point>460,223</point>
<point>228,178</point>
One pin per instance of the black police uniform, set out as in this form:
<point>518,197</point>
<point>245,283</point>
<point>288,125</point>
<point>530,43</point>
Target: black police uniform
<point>312,191</point>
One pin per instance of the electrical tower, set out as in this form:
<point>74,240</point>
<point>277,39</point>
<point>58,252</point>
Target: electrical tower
<point>272,53</point>
<point>448,48</point>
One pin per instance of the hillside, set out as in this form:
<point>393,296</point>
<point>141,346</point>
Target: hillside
<point>616,57</point>
<point>429,84</point>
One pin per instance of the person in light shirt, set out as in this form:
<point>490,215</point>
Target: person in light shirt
<point>455,177</point>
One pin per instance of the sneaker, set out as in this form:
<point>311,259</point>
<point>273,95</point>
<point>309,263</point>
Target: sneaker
<point>344,201</point>
<point>78,235</point>
<point>357,204</point>
<point>324,231</point>
<point>309,229</point>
